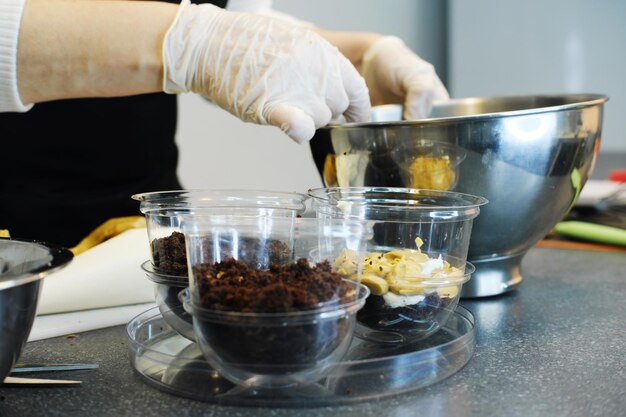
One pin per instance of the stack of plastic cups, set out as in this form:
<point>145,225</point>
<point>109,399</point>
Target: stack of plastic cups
<point>416,260</point>
<point>168,266</point>
<point>265,336</point>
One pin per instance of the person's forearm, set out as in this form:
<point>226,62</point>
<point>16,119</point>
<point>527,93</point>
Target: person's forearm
<point>352,44</point>
<point>77,49</point>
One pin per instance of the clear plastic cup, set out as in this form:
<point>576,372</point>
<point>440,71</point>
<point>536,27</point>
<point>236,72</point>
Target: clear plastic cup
<point>266,311</point>
<point>167,266</point>
<point>428,164</point>
<point>167,289</point>
<point>416,261</point>
<point>403,318</point>
<point>162,210</point>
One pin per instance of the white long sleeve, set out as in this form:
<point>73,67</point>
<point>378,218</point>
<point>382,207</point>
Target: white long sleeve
<point>10,19</point>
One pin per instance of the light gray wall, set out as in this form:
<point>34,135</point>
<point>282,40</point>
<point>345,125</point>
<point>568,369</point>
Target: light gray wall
<point>417,22</point>
<point>496,47</point>
<point>219,151</point>
<point>503,47</point>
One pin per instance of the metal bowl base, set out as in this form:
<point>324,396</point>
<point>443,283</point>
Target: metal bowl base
<point>494,276</point>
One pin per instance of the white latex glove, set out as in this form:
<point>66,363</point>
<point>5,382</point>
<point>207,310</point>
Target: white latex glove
<point>395,74</point>
<point>262,70</point>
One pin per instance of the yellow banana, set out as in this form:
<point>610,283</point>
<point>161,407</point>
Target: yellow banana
<point>107,230</point>
<point>377,285</point>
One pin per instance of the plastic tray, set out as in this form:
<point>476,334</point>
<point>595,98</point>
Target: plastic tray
<point>369,371</point>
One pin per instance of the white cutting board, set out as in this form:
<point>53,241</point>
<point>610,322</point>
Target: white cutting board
<point>53,325</point>
<point>107,275</point>
<point>102,287</point>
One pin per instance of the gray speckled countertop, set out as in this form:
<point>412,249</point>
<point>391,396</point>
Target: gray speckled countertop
<point>555,347</point>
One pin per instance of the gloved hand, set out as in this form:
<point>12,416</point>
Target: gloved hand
<point>395,74</point>
<point>262,70</point>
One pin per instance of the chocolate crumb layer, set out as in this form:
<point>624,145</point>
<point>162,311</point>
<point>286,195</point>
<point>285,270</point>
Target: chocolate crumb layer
<point>274,346</point>
<point>417,317</point>
<point>233,286</point>
<point>170,256</point>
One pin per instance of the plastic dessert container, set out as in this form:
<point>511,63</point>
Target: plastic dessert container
<point>162,210</point>
<point>415,311</point>
<point>416,261</point>
<point>167,266</point>
<point>276,350</point>
<point>165,360</point>
<point>167,289</point>
<point>428,164</point>
<point>266,323</point>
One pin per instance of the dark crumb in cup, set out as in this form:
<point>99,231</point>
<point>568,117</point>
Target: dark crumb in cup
<point>170,256</point>
<point>411,318</point>
<point>272,346</point>
<point>233,286</point>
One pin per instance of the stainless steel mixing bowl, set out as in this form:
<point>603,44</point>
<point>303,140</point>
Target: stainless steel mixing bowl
<point>528,155</point>
<point>22,266</point>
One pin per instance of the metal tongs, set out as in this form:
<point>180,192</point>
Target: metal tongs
<point>33,368</point>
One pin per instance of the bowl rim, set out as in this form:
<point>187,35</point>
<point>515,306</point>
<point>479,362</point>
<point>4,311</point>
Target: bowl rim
<point>325,196</point>
<point>157,201</point>
<point>580,100</point>
<point>61,256</point>
<point>157,277</point>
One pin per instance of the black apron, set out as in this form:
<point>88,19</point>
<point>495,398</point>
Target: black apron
<point>69,165</point>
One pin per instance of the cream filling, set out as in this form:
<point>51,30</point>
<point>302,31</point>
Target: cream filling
<point>395,300</point>
<point>432,264</point>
